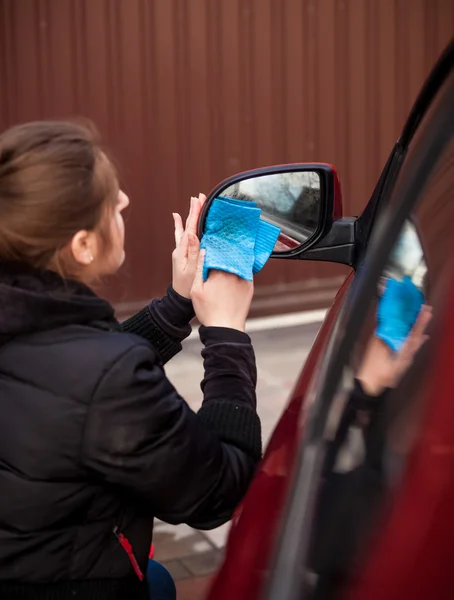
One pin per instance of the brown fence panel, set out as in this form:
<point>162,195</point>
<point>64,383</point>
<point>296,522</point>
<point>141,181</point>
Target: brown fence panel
<point>187,92</point>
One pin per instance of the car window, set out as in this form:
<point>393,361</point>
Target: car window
<point>376,419</point>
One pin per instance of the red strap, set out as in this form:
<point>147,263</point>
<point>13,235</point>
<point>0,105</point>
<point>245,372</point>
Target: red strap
<point>125,544</point>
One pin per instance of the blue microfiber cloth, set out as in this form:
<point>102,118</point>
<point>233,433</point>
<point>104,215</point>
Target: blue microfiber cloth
<point>236,240</point>
<point>236,202</point>
<point>398,311</point>
<point>229,238</point>
<point>266,239</point>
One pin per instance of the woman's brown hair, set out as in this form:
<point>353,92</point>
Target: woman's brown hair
<point>55,180</point>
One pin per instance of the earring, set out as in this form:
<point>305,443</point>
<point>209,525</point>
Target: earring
<point>91,259</point>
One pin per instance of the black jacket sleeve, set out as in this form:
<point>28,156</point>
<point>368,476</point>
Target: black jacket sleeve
<point>141,436</point>
<point>164,323</point>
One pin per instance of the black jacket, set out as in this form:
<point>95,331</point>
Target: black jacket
<point>95,441</point>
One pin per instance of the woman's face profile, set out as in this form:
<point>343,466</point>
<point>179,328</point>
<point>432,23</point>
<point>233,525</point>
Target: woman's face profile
<point>115,254</point>
<point>101,253</point>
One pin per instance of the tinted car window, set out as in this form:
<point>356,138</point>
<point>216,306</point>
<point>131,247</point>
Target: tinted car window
<point>377,417</point>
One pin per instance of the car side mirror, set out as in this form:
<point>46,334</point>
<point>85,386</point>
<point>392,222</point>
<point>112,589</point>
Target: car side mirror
<point>303,202</point>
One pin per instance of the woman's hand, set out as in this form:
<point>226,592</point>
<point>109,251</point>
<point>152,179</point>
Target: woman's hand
<point>223,300</point>
<point>186,253</point>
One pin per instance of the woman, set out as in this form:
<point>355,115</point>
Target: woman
<point>94,440</point>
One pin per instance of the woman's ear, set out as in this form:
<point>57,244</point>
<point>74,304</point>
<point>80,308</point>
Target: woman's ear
<point>83,247</point>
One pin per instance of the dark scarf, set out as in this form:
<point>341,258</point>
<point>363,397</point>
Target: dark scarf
<point>37,300</point>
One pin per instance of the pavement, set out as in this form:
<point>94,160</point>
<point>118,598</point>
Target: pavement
<point>192,556</point>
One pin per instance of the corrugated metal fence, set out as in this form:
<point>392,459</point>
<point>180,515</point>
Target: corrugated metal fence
<point>187,92</point>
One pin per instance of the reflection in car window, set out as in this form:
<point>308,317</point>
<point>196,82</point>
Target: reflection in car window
<point>406,261</point>
<point>407,257</point>
<point>376,418</point>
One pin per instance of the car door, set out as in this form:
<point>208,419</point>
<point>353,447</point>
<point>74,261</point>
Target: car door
<point>369,509</point>
<point>268,554</point>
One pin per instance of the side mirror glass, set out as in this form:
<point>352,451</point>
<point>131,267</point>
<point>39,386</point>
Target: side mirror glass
<point>299,203</point>
<point>289,200</point>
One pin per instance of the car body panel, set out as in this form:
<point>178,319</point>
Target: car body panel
<point>250,542</point>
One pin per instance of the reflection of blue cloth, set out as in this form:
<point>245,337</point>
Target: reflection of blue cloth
<point>398,311</point>
<point>236,240</point>
<point>160,582</point>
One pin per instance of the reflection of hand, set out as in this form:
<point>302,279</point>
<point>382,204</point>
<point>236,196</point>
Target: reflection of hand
<point>185,255</point>
<point>223,300</point>
<point>382,368</point>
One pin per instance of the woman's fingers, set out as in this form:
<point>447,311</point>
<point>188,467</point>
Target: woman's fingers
<point>197,286</point>
<point>184,246</point>
<point>193,251</point>
<point>193,219</point>
<point>191,211</point>
<point>179,229</point>
<point>183,233</point>
<point>194,248</point>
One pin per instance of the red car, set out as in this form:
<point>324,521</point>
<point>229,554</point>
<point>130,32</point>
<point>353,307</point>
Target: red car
<point>355,499</point>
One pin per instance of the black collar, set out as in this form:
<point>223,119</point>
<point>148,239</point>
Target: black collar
<point>38,300</point>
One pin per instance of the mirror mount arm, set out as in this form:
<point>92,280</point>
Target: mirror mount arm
<point>337,246</point>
